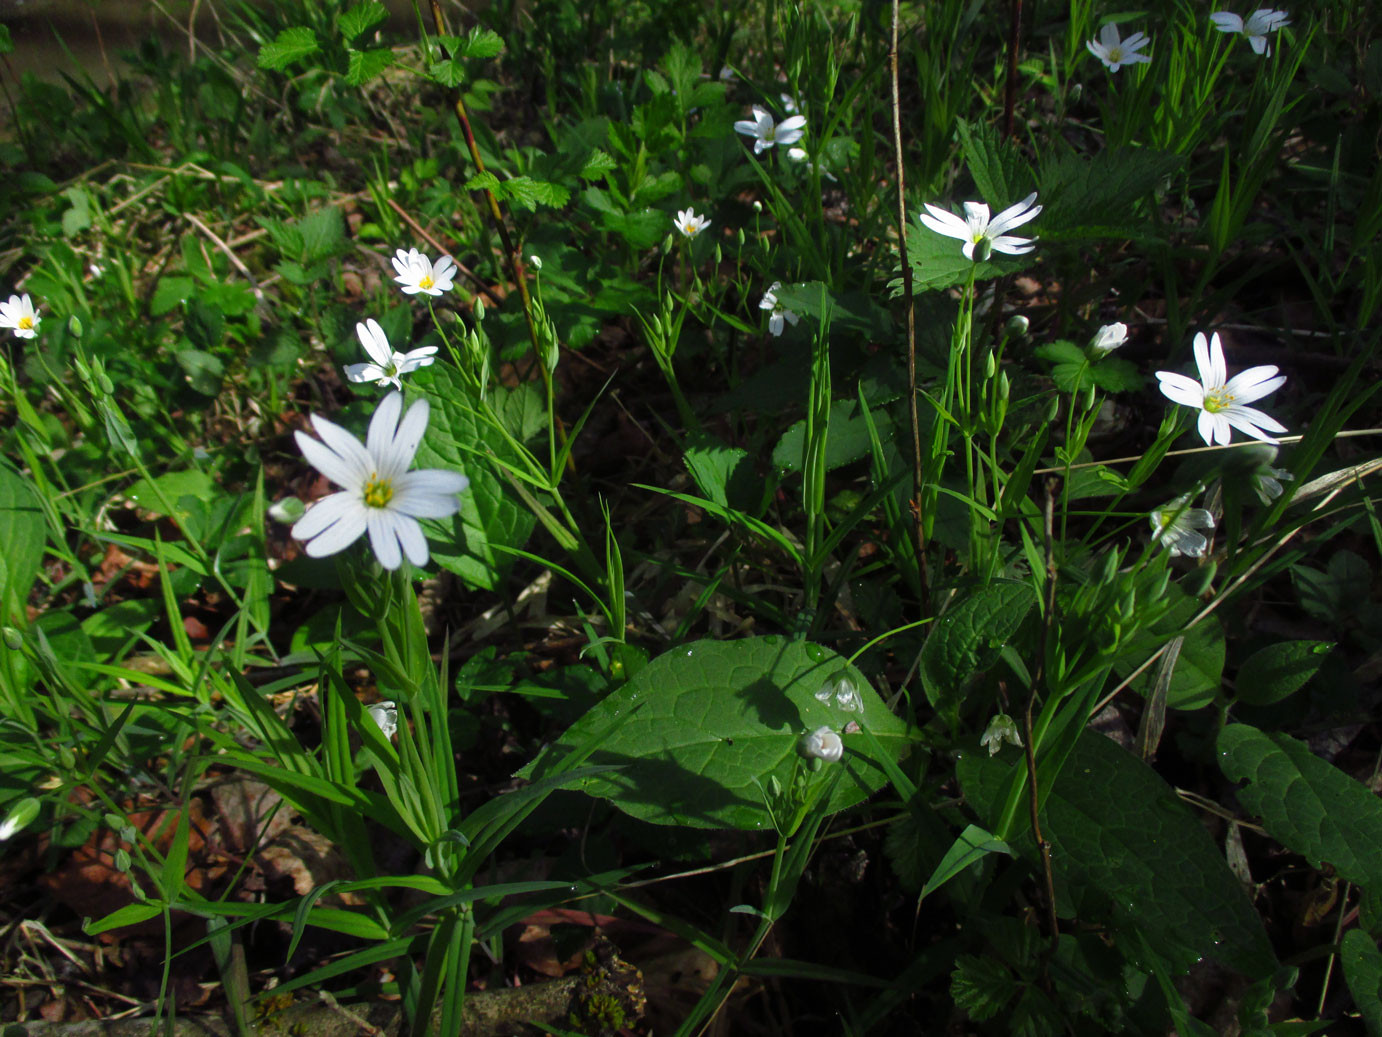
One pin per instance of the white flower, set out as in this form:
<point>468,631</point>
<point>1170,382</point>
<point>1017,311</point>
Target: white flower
<point>18,315</point>
<point>780,312</point>
<point>1002,728</point>
<point>976,227</point>
<point>1255,29</point>
<point>766,133</point>
<point>385,714</point>
<point>689,223</point>
<point>1220,399</point>
<point>822,744</point>
<point>379,493</point>
<point>1116,53</point>
<point>387,365</point>
<point>788,104</point>
<point>417,273</point>
<point>1266,482</point>
<point>1177,527</point>
<point>840,687</point>
<point>19,817</point>
<point>801,155</point>
<point>1108,338</point>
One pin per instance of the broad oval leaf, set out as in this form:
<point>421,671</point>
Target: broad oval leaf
<point>1305,803</point>
<point>702,730</point>
<point>1280,670</point>
<point>1116,827</point>
<point>1363,971</point>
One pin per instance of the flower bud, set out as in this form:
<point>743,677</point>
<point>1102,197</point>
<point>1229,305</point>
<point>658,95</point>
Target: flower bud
<point>536,262</point>
<point>1002,728</point>
<point>479,310</point>
<point>74,325</point>
<point>1017,325</point>
<point>990,365</point>
<point>14,640</point>
<point>287,511</point>
<point>822,744</point>
<point>385,714</point>
<point>757,206</point>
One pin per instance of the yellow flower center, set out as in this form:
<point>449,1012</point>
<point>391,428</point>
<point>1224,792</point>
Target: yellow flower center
<point>688,227</point>
<point>1115,54</point>
<point>378,492</point>
<point>426,281</point>
<point>26,323</point>
<point>1214,402</point>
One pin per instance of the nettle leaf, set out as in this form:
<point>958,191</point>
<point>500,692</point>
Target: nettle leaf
<point>1001,172</point>
<point>968,638</point>
<point>1084,199</point>
<point>366,64</point>
<point>489,516</point>
<point>480,43</point>
<point>1118,829</point>
<point>698,735</point>
<point>361,18</point>
<point>22,536</point>
<point>1306,803</point>
<point>290,45</point>
<point>597,164</point>
<point>1363,972</point>
<point>522,190</point>
<point>1280,670</point>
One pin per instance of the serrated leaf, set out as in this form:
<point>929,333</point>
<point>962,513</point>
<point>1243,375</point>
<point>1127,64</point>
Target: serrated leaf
<point>1280,670</point>
<point>22,536</point>
<point>981,986</point>
<point>597,165</point>
<point>1097,197</point>
<point>1114,374</point>
<point>967,638</point>
<point>714,466</point>
<point>1305,803</point>
<point>530,193</point>
<point>1001,172</point>
<point>481,43</point>
<point>448,73</point>
<point>361,18</point>
<point>364,65</point>
<point>290,45</point>
<point>322,233</point>
<point>465,544</point>
<point>702,730</point>
<point>1117,827</point>
<point>1363,972</point>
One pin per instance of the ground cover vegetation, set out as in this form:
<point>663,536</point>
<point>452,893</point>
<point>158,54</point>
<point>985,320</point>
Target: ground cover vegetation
<point>696,518</point>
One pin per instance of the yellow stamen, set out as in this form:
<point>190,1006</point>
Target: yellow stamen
<point>378,492</point>
<point>426,281</point>
<point>27,323</point>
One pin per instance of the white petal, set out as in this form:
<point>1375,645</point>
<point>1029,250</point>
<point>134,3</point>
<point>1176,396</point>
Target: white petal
<point>1098,50</point>
<point>381,429</point>
<point>339,456</point>
<point>374,340</point>
<point>746,127</point>
<point>1251,420</point>
<point>1108,36</point>
<point>775,324</point>
<point>409,363</point>
<point>1012,246</point>
<point>1181,389</point>
<point>1258,44</point>
<point>410,536</point>
<point>326,512</point>
<point>383,537</point>
<point>405,442</point>
<point>1015,215</point>
<point>1254,383</point>
<point>365,373</point>
<point>340,535</point>
<point>1226,21</point>
<point>943,222</point>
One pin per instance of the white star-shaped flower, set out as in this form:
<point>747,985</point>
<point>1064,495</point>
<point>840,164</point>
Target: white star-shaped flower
<point>1115,52</point>
<point>1220,399</point>
<point>417,273</point>
<point>976,229</point>
<point>779,312</point>
<point>1255,29</point>
<point>766,133</point>
<point>18,315</point>
<point>378,492</point>
<point>689,223</point>
<point>387,365</point>
<point>385,714</point>
<point>1177,526</point>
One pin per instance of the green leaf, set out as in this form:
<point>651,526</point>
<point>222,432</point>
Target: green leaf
<point>968,638</point>
<point>522,190</point>
<point>715,466</point>
<point>22,536</point>
<point>1001,172</point>
<point>290,45</point>
<point>982,987</point>
<point>597,164</point>
<point>172,486</point>
<point>1280,670</point>
<point>130,914</point>
<point>972,846</point>
<point>481,43</point>
<point>701,732</point>
<point>6,42</point>
<point>465,544</point>
<point>1306,804</point>
<point>1116,827</point>
<point>361,18</point>
<point>364,65</point>
<point>204,371</point>
<point>1098,197</point>
<point>1363,971</point>
<point>1200,668</point>
<point>322,233</point>
<point>847,440</point>
<point>170,294</point>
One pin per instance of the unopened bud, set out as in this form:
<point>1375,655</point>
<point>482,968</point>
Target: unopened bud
<point>536,262</point>
<point>990,365</point>
<point>479,310</point>
<point>287,510</point>
<point>74,325</point>
<point>1017,325</point>
<point>822,744</point>
<point>385,714</point>
<point>14,640</point>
